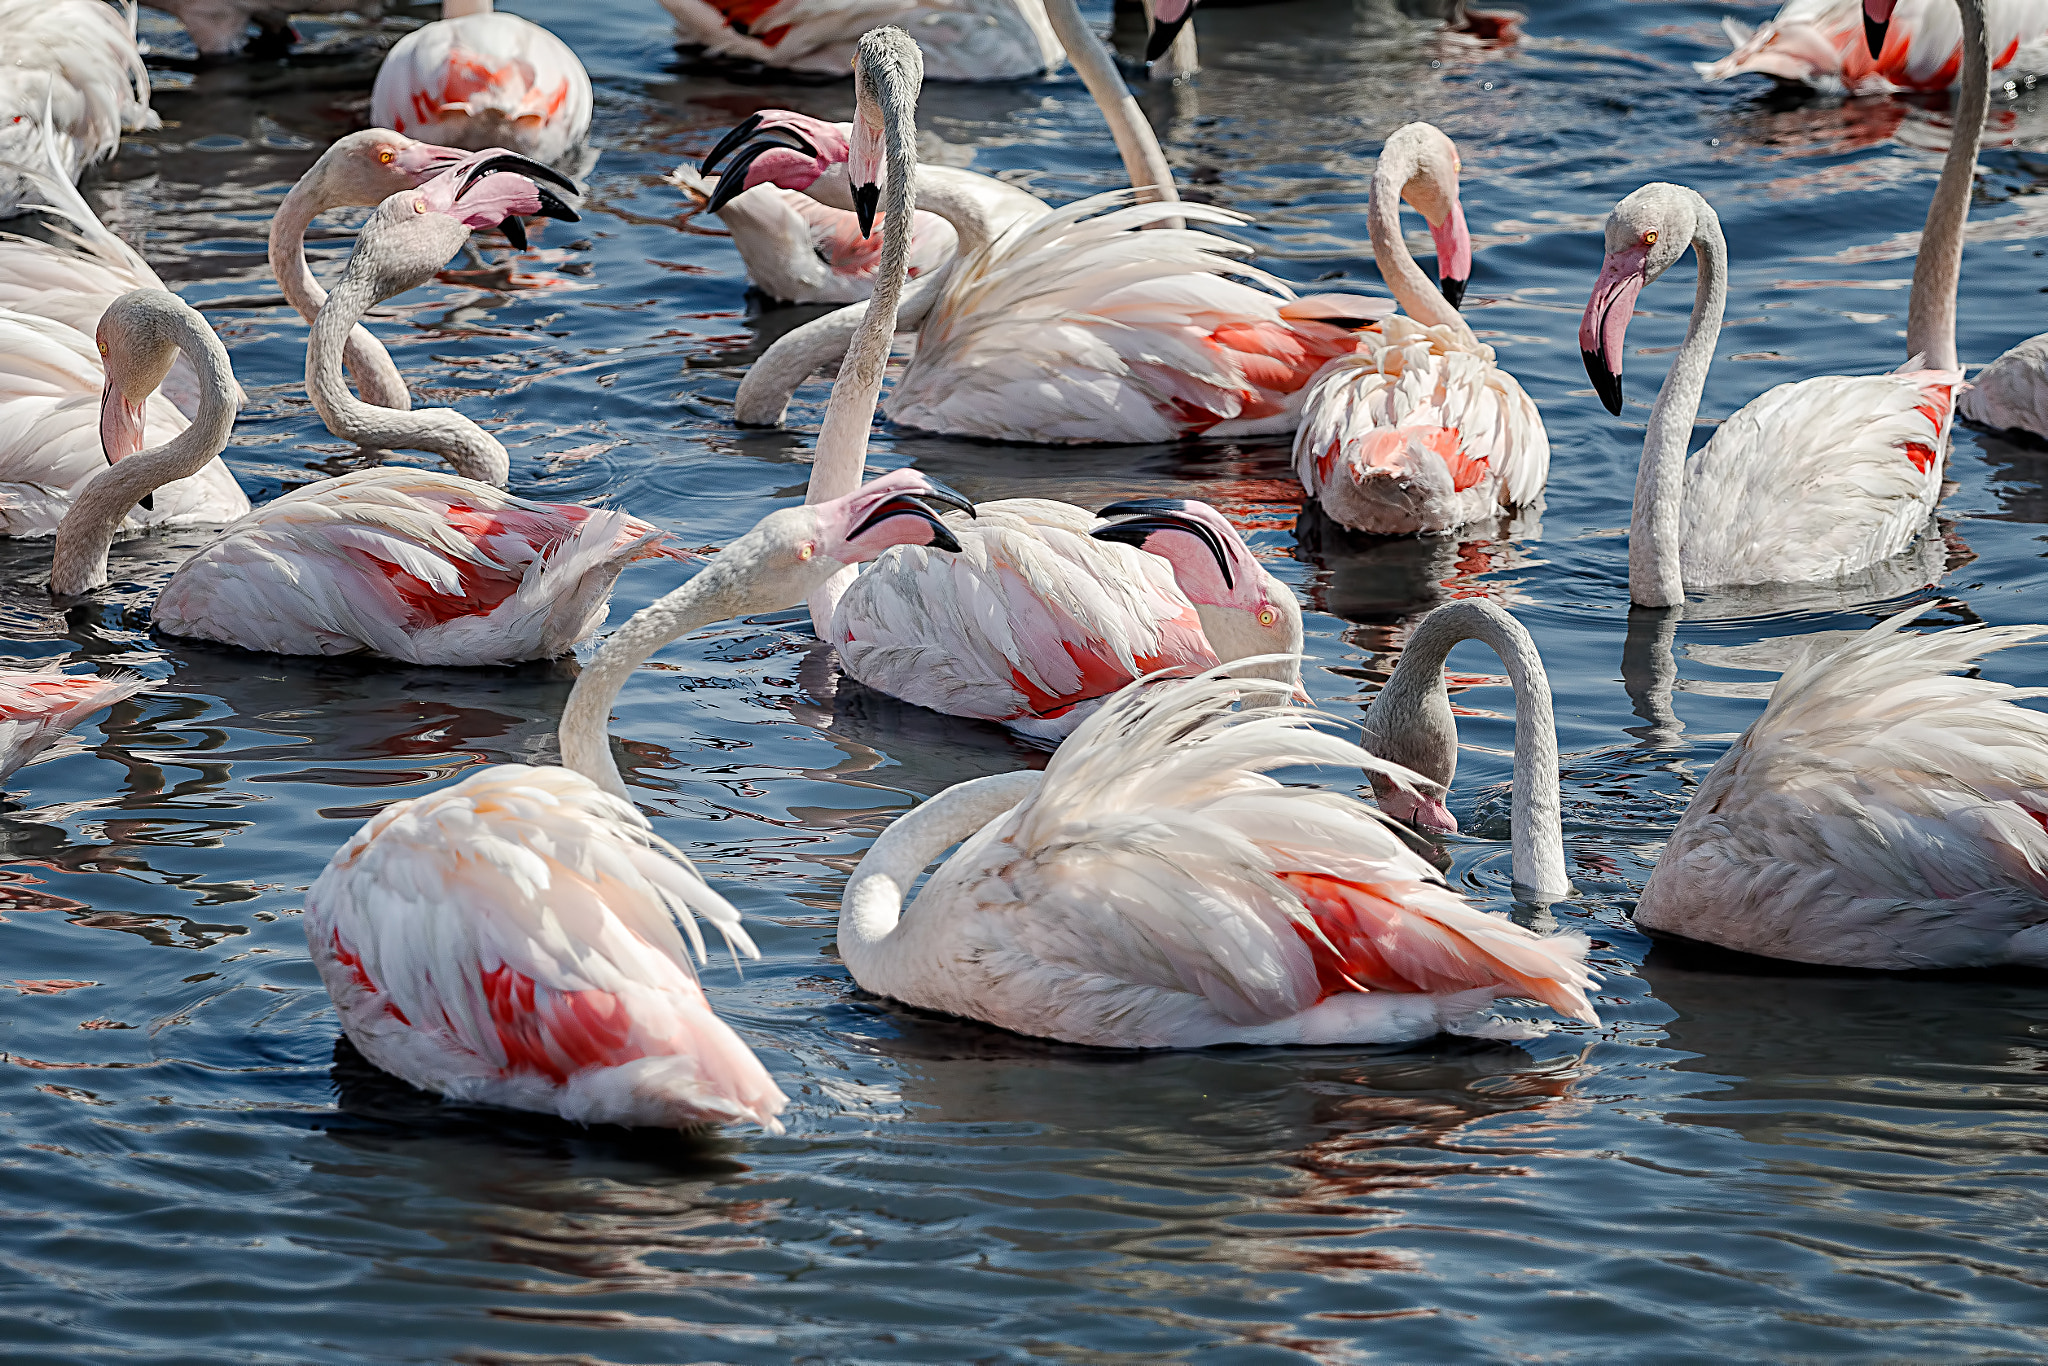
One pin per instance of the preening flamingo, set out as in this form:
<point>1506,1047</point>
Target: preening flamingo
<point>963,40</point>
<point>1154,888</point>
<point>1047,608</point>
<point>1881,813</point>
<point>411,564</point>
<point>1419,429</point>
<point>1829,44</point>
<point>479,79</point>
<point>519,938</point>
<point>1812,481</point>
<point>38,706</point>
<point>75,63</point>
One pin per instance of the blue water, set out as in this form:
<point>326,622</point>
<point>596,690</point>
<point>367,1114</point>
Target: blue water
<point>1735,1165</point>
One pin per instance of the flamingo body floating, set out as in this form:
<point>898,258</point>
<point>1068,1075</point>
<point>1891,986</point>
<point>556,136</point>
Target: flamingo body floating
<point>1154,888</point>
<point>963,40</point>
<point>1824,43</point>
<point>76,63</point>
<point>478,79</point>
<point>1881,813</point>
<point>37,707</point>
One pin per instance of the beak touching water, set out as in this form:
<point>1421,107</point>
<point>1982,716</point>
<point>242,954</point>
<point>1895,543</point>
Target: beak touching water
<point>1605,323</point>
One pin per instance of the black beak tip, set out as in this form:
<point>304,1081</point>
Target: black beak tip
<point>1454,291</point>
<point>1130,506</point>
<point>1873,34</point>
<point>514,229</point>
<point>552,207</point>
<point>730,143</point>
<point>1162,38</point>
<point>867,201</point>
<point>952,498</point>
<point>943,538</point>
<point>1606,383</point>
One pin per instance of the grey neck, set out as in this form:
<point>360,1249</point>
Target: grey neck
<point>1931,309</point>
<point>1654,575</point>
<point>1417,294</point>
<point>367,360</point>
<point>78,560</point>
<point>977,206</point>
<point>772,380</point>
<point>1411,723</point>
<point>473,452</point>
<point>1144,161</point>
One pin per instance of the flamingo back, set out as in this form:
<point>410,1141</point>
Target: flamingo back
<point>962,40</point>
<point>483,81</point>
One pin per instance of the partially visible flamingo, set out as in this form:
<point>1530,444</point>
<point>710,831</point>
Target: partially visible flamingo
<point>1047,609</point>
<point>963,40</point>
<point>1829,43</point>
<point>1419,429</point>
<point>74,63</point>
<point>38,706</point>
<point>479,79</point>
<point>1155,888</point>
<point>220,28</point>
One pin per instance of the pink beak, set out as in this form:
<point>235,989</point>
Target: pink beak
<point>120,424</point>
<point>424,160</point>
<point>1453,254</point>
<point>1605,324</point>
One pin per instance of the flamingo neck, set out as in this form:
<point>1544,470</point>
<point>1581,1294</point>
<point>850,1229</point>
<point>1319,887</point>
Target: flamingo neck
<point>977,206</point>
<point>1411,723</point>
<point>872,905</point>
<point>368,362</point>
<point>1655,578</point>
<point>1144,161</point>
<point>78,560</point>
<point>842,450</point>
<point>462,9</point>
<point>1417,294</point>
<point>473,452</point>
<point>1931,308</point>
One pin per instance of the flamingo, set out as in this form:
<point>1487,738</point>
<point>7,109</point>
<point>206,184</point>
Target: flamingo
<point>1822,43</point>
<point>1808,482</point>
<point>1046,608</point>
<point>38,705</point>
<point>1418,429</point>
<point>411,564</point>
<point>523,937</point>
<point>963,40</point>
<point>479,79</point>
<point>1155,888</point>
<point>220,28</point>
<point>76,63</point>
<point>1881,813</point>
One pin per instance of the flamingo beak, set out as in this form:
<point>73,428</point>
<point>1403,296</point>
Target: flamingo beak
<point>1169,17</point>
<point>741,134</point>
<point>1162,515</point>
<point>733,180</point>
<point>1877,20</point>
<point>903,505</point>
<point>540,173</point>
<point>936,492</point>
<point>867,202</point>
<point>121,423</point>
<point>423,161</point>
<point>1606,320</point>
<point>1453,254</point>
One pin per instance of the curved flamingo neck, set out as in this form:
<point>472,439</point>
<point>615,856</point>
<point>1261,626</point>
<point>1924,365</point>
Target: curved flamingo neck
<point>78,560</point>
<point>1655,577</point>
<point>977,206</point>
<point>872,905</point>
<point>473,452</point>
<point>1417,294</point>
<point>842,449</point>
<point>1412,717</point>
<point>1144,161</point>
<point>1931,308</point>
<point>367,360</point>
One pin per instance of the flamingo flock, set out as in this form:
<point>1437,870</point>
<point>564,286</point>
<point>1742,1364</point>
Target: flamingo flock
<point>525,938</point>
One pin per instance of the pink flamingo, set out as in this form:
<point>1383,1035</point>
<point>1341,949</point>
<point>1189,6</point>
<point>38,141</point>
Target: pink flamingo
<point>411,564</point>
<point>38,706</point>
<point>1155,888</point>
<point>1828,43</point>
<point>479,79</point>
<point>1048,608</point>
<point>1418,429</point>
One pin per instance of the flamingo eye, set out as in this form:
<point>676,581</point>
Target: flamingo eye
<point>1649,239</point>
<point>806,550</point>
<point>1267,616</point>
<point>103,348</point>
<point>419,206</point>
<point>384,157</point>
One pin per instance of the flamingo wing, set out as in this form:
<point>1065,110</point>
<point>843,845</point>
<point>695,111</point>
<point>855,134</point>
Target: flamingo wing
<point>482,81</point>
<point>1031,620</point>
<point>1883,812</point>
<point>1815,480</point>
<point>523,938</point>
<point>77,60</point>
<point>36,708</point>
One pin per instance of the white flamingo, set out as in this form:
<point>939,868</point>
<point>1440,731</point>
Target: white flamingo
<point>411,564</point>
<point>963,40</point>
<point>479,79</point>
<point>1419,429</point>
<point>73,63</point>
<point>1913,45</point>
<point>1881,813</point>
<point>1154,888</point>
<point>1047,609</point>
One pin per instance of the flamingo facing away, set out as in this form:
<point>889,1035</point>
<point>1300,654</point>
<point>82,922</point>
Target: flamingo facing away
<point>1047,608</point>
<point>963,40</point>
<point>478,79</point>
<point>1826,43</point>
<point>411,564</point>
<point>1155,888</point>
<point>1411,724</point>
<point>38,706</point>
<point>220,28</point>
<point>1419,429</point>
<point>1881,813</point>
<point>523,937</point>
<point>75,63</point>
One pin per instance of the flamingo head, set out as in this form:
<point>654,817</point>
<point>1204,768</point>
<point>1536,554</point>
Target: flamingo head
<point>778,147</point>
<point>367,167</point>
<point>1168,18</point>
<point>1431,186</point>
<point>413,233</point>
<point>1244,610</point>
<point>1877,19</point>
<point>791,553</point>
<point>136,348</point>
<point>1646,233</point>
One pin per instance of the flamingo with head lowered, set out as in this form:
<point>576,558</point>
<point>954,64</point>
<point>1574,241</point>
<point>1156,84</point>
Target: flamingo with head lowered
<point>479,79</point>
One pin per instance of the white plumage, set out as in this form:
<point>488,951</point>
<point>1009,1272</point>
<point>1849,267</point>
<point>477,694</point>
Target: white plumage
<point>75,63</point>
<point>1821,43</point>
<point>36,708</point>
<point>962,40</point>
<point>1882,813</point>
<point>2011,393</point>
<point>480,80</point>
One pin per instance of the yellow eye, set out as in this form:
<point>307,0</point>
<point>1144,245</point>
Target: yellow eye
<point>1649,239</point>
<point>419,206</point>
<point>1267,616</point>
<point>103,348</point>
<point>385,156</point>
<point>806,550</point>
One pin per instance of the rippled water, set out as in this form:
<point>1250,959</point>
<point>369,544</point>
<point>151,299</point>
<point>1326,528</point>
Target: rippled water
<point>1737,1164</point>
